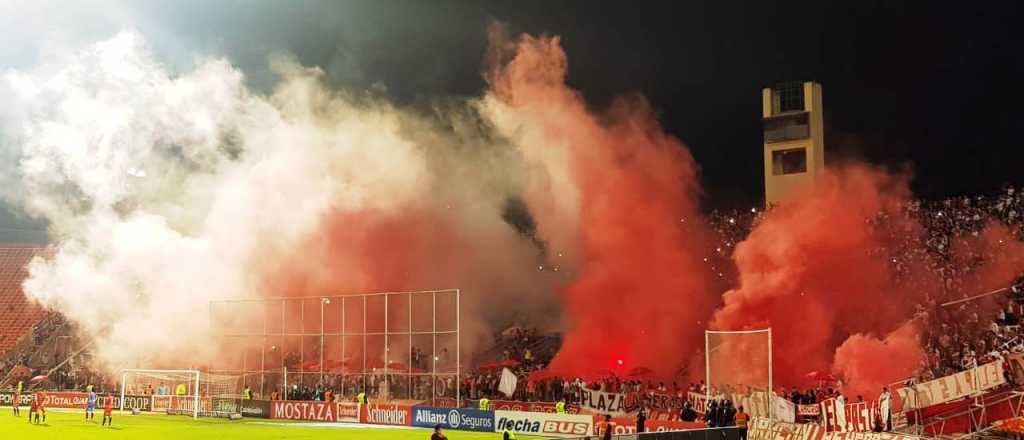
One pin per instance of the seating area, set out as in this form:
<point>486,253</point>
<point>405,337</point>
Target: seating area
<point>17,314</point>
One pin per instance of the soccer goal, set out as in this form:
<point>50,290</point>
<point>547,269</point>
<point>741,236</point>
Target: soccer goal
<point>173,391</point>
<point>738,368</point>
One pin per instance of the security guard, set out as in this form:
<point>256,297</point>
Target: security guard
<point>247,393</point>
<point>485,404</point>
<point>742,422</point>
<point>560,406</point>
<point>361,398</point>
<point>508,435</point>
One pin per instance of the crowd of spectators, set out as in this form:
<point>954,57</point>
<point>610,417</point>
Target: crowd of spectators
<point>926,258</point>
<point>923,253</point>
<point>955,337</point>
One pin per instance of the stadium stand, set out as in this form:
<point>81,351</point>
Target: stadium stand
<point>18,315</point>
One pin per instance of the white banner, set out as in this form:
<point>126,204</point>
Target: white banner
<point>508,382</point>
<point>953,387</point>
<point>764,429</point>
<point>544,424</point>
<point>783,409</point>
<point>599,402</point>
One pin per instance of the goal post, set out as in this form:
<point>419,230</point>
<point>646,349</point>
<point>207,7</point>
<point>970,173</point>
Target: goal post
<point>738,367</point>
<point>155,383</point>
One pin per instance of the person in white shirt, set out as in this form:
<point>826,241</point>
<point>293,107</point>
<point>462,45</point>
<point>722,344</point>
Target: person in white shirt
<point>840,406</point>
<point>884,405</point>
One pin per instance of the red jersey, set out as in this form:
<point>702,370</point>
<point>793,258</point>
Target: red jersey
<point>328,396</point>
<point>108,403</point>
<point>37,403</point>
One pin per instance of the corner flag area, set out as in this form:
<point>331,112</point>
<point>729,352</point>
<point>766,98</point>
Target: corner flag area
<point>73,426</point>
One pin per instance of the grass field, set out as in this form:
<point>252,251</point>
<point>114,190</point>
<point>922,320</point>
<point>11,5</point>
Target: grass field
<point>72,426</point>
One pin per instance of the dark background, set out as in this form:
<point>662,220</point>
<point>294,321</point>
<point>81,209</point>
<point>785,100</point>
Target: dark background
<point>933,87</point>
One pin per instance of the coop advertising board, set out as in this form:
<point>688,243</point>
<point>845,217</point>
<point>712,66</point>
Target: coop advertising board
<point>306,410</point>
<point>385,414</point>
<point>545,424</point>
<point>448,418</point>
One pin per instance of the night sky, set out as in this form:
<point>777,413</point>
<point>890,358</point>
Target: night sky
<point>933,86</point>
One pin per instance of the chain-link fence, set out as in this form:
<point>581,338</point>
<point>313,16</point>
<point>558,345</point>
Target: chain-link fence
<point>392,346</point>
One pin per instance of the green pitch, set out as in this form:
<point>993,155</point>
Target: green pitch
<point>72,426</point>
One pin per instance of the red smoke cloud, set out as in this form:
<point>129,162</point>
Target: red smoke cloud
<point>816,270</point>
<point>867,364</point>
<point>641,294</point>
<point>813,270</point>
<point>618,196</point>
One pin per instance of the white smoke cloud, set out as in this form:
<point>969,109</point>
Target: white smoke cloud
<point>165,191</point>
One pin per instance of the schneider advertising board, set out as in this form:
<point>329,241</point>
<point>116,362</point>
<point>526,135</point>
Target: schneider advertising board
<point>448,418</point>
<point>559,425</point>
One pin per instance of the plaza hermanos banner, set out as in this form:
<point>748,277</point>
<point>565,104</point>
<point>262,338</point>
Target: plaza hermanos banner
<point>600,402</point>
<point>952,387</point>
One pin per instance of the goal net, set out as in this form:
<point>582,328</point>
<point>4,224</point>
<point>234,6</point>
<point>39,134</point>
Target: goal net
<point>173,391</point>
<point>739,370</point>
<point>189,392</point>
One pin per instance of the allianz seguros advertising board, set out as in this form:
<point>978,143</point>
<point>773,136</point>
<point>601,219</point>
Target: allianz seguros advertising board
<point>458,419</point>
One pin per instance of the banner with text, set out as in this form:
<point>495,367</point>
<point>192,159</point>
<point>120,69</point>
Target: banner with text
<point>303,410</point>
<point>544,424</point>
<point>627,425</point>
<point>513,405</point>
<point>348,412</point>
<point>256,408</point>
<point>600,402</point>
<point>953,387</point>
<point>77,400</point>
<point>449,418</point>
<point>7,399</point>
<point>385,414</point>
<point>765,429</point>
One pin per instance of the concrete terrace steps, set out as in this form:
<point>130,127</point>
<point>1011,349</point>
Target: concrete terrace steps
<point>17,313</point>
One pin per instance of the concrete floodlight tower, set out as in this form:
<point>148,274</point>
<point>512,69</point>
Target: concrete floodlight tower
<point>794,138</point>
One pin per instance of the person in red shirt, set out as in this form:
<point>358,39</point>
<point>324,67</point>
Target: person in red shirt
<point>108,410</point>
<point>17,399</point>
<point>37,408</point>
<point>328,396</point>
